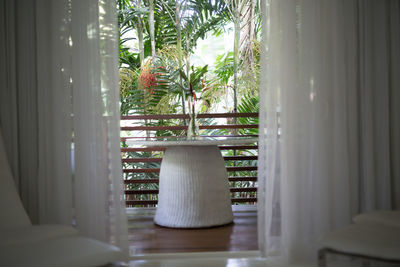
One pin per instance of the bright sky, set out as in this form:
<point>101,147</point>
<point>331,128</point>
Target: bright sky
<point>207,50</point>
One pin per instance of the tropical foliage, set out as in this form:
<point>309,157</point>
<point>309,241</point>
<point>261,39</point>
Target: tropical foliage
<point>166,33</point>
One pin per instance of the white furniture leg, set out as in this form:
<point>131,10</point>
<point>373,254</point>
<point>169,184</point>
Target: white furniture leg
<point>194,188</point>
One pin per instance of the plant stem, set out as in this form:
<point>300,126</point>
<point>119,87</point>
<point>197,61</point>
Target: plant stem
<point>151,26</point>
<point>236,56</point>
<point>179,49</point>
<point>140,36</point>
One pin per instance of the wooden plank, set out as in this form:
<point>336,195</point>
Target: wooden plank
<point>244,200</point>
<point>186,116</point>
<point>135,160</point>
<point>141,192</point>
<point>154,202</point>
<point>243,189</point>
<point>227,115</point>
<point>155,117</point>
<point>243,179</point>
<point>153,128</point>
<point>241,168</point>
<point>155,181</point>
<point>181,127</point>
<point>162,137</point>
<point>141,202</point>
<point>155,191</point>
<point>241,158</point>
<point>252,147</point>
<point>141,181</point>
<point>229,169</point>
<point>159,148</point>
<point>142,149</point>
<point>148,170</point>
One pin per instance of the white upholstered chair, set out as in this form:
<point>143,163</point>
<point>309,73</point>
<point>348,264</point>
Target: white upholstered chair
<point>374,236</point>
<point>24,244</point>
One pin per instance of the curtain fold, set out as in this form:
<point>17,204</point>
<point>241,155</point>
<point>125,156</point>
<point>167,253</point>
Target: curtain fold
<point>54,112</point>
<point>62,83</point>
<point>84,117</point>
<point>95,104</point>
<point>329,68</point>
<point>8,92</point>
<point>378,102</point>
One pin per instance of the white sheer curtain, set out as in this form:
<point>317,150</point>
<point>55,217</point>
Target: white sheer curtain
<point>69,85</point>
<point>81,105</point>
<point>329,144</point>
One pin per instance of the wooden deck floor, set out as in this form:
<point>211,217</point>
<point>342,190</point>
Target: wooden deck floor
<point>146,237</point>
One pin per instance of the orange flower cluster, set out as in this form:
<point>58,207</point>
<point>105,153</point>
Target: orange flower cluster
<point>148,80</point>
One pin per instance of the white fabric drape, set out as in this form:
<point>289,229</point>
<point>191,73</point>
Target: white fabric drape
<point>97,177</point>
<point>8,92</point>
<point>329,144</point>
<point>83,109</point>
<point>18,108</point>
<point>69,142</point>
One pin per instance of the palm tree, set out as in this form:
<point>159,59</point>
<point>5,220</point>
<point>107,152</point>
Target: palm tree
<point>151,28</point>
<point>243,15</point>
<point>177,23</point>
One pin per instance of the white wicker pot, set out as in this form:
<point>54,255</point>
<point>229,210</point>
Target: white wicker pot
<point>194,189</point>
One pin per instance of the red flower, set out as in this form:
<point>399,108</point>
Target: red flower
<point>148,80</point>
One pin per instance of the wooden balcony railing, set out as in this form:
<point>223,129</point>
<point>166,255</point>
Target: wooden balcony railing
<point>141,165</point>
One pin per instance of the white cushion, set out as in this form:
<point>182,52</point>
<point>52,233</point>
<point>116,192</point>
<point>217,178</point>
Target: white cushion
<point>384,217</point>
<point>69,252</point>
<point>375,241</point>
<point>12,210</point>
<point>33,234</point>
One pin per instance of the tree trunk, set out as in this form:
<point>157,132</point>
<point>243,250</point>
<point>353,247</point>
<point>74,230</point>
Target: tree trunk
<point>141,54</point>
<point>140,37</point>
<point>190,106</point>
<point>236,57</point>
<point>236,23</point>
<point>248,33</point>
<point>151,26</point>
<point>179,49</point>
<point>248,36</point>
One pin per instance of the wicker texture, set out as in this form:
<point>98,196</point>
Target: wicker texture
<point>194,189</point>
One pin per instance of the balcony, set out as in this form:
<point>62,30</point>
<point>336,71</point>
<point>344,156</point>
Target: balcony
<point>141,167</point>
